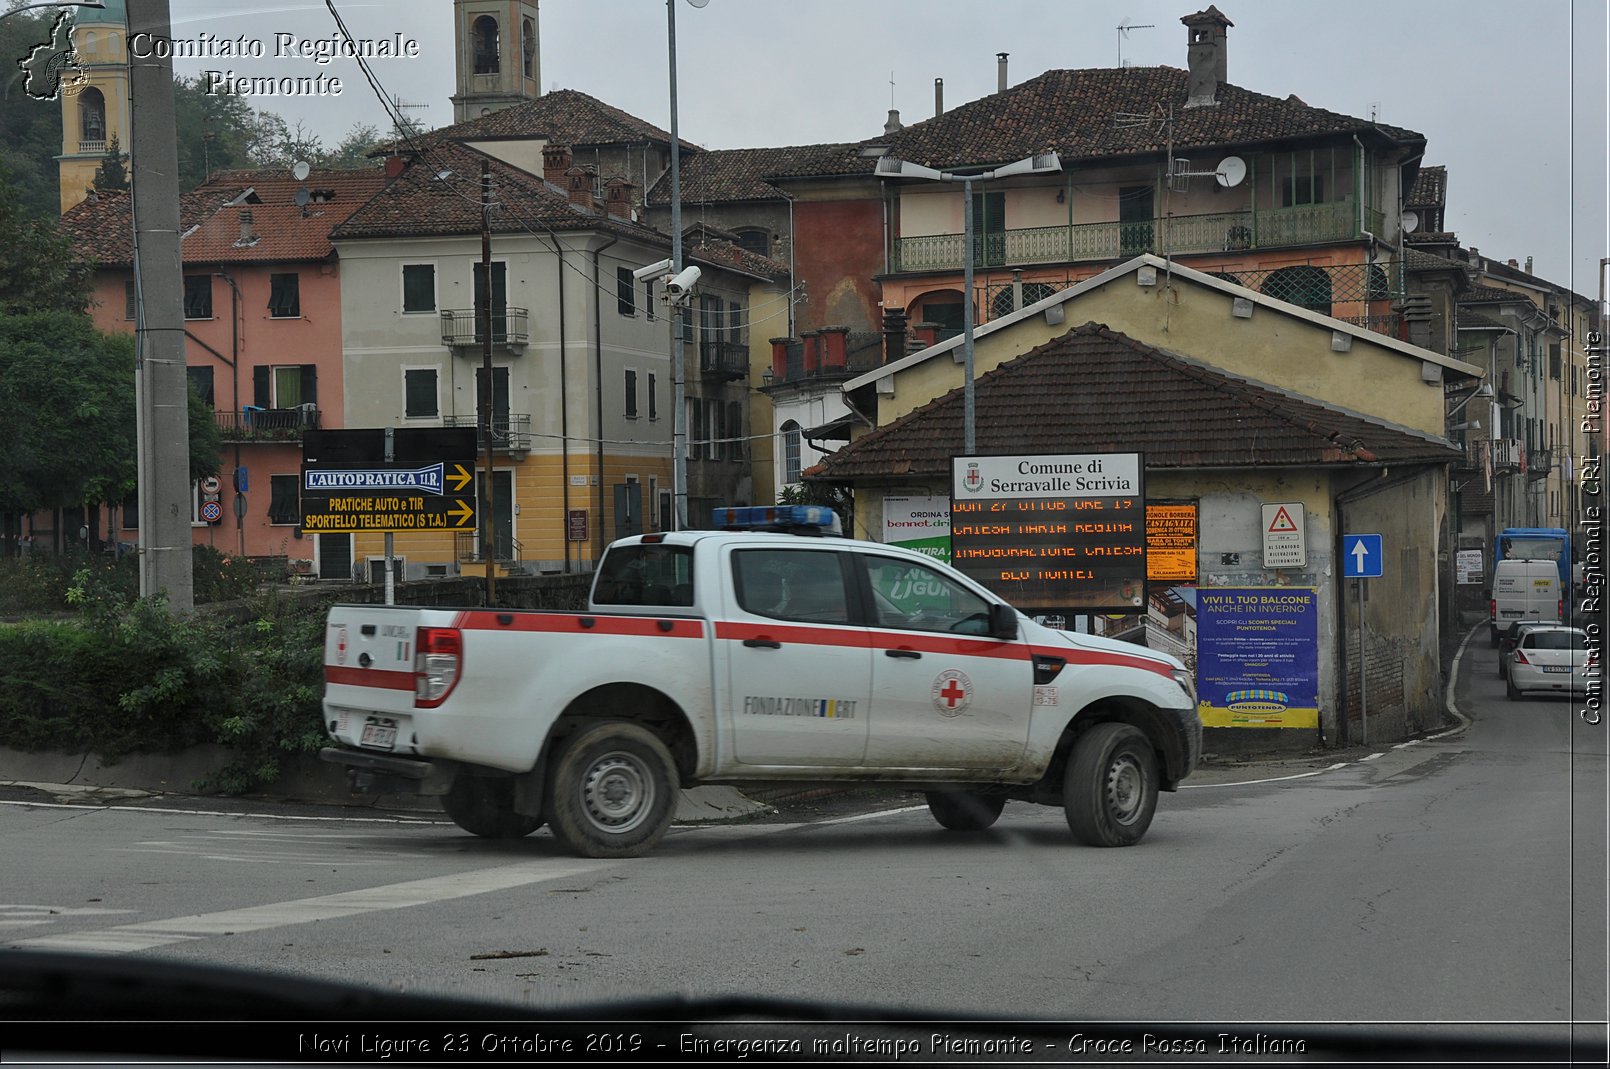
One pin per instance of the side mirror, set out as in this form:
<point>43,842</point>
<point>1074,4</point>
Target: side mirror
<point>1002,621</point>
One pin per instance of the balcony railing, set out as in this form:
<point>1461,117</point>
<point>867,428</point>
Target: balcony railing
<point>92,146</point>
<point>467,548</point>
<point>465,328</point>
<point>253,424</point>
<point>723,360</point>
<point>856,363</point>
<point>1539,462</point>
<point>510,433</point>
<point>1506,454</point>
<point>1304,224</point>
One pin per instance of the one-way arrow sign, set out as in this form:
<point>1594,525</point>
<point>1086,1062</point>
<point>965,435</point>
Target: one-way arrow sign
<point>1361,556</point>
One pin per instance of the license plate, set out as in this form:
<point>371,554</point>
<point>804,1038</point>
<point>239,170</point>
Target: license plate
<point>1555,668</point>
<point>380,735</point>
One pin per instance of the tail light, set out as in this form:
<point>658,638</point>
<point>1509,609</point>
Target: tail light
<point>438,660</point>
<point>1559,609</point>
<point>1520,658</point>
<point>1492,610</point>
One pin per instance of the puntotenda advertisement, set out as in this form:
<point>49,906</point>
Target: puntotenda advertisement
<point>1257,657</point>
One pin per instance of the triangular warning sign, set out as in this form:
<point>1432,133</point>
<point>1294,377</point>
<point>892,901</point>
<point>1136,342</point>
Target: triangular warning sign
<point>1282,521</point>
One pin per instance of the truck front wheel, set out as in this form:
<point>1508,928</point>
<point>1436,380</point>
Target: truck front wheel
<point>484,806</point>
<point>1110,790</point>
<point>612,790</point>
<point>965,810</point>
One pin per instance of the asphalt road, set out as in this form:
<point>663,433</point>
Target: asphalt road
<point>1458,879</point>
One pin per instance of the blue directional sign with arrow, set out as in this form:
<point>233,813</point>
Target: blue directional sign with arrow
<point>1361,556</point>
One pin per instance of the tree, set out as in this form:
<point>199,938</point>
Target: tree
<point>67,424</point>
<point>30,130</point>
<point>37,268</point>
<point>352,152</point>
<point>111,175</point>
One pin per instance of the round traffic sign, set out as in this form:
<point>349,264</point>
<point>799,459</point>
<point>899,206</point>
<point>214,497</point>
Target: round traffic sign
<point>210,484</point>
<point>211,511</point>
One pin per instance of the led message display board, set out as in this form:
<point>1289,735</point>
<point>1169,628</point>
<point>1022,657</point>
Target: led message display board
<point>1051,532</point>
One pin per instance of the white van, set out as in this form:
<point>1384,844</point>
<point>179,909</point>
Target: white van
<point>1524,590</point>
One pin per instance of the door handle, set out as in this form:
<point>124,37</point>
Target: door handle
<point>763,644</point>
<point>910,655</point>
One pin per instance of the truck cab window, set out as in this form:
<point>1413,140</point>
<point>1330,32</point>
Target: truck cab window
<point>802,585</point>
<point>915,598</point>
<point>645,575</point>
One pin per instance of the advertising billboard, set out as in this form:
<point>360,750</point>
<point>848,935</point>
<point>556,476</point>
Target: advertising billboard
<point>1257,657</point>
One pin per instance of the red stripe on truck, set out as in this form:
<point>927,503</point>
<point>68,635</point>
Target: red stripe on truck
<point>369,677</point>
<point>578,624</point>
<point>1074,655</point>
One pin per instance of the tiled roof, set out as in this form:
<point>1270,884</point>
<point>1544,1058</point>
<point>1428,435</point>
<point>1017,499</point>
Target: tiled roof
<point>1429,189</point>
<point>717,246</point>
<point>721,176</point>
<point>439,192</point>
<point>562,117</point>
<point>1076,113</point>
<point>1415,260</point>
<point>101,229</point>
<point>1097,390</point>
<point>1491,295</point>
<point>1469,320</point>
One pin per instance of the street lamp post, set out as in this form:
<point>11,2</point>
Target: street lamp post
<point>679,419</point>
<point>889,167</point>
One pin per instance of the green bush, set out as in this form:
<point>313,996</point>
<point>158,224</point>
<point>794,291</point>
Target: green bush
<point>42,582</point>
<point>129,676</point>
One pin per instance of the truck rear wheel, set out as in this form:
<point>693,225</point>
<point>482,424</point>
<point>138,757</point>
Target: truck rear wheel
<point>1110,789</point>
<point>484,806</point>
<point>965,810</point>
<point>612,790</point>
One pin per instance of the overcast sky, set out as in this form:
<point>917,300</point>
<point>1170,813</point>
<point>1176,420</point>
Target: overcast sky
<point>1511,97</point>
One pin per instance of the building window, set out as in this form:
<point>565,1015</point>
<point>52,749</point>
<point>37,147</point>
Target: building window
<point>687,326</point>
<point>715,447</point>
<point>1554,362</point>
<point>419,287</point>
<point>528,46</point>
<point>625,291</point>
<point>419,393</point>
<point>654,400</point>
<point>648,299</point>
<point>335,556</point>
<point>631,394</point>
<point>1305,286</point>
<point>485,44</point>
<point>201,382</point>
<point>198,296</point>
<point>756,241</point>
<point>285,296</point>
<point>693,425</point>
<point>131,306</point>
<point>284,506</point>
<point>735,424</point>
<point>791,467</point>
<point>1302,189</point>
<point>735,325</point>
<point>286,386</point>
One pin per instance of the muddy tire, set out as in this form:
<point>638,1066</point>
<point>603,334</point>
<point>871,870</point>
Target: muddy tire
<point>484,806</point>
<point>1110,789</point>
<point>965,810</point>
<point>612,790</point>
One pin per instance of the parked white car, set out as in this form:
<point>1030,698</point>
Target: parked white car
<point>1551,660</point>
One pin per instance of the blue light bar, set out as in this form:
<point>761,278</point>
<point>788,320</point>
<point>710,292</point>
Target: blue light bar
<point>778,517</point>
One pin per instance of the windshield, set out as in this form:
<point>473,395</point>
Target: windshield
<point>372,376</point>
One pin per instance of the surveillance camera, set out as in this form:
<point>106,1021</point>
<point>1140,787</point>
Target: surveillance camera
<point>653,270</point>
<point>682,283</point>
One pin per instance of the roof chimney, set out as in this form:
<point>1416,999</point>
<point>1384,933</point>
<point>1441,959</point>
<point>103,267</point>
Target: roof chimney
<point>245,226</point>
<point>580,186</point>
<point>1000,71</point>
<point>1528,265</point>
<point>618,197</point>
<point>555,162</point>
<point>893,126</point>
<point>939,97</point>
<point>1205,56</point>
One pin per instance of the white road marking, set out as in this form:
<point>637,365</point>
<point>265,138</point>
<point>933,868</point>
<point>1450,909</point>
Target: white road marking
<point>422,821</point>
<point>1373,756</point>
<point>146,935</point>
<point>1272,779</point>
<point>871,816</point>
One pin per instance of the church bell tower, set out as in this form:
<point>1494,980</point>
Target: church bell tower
<point>95,106</point>
<point>496,57</point>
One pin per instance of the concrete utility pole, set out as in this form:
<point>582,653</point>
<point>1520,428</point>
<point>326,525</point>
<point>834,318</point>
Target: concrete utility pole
<point>679,416</point>
<point>162,392</point>
<point>489,539</point>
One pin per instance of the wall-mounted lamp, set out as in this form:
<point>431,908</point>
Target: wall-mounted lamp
<point>1484,390</point>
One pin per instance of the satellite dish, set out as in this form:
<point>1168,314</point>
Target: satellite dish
<point>697,3</point>
<point>300,170</point>
<point>302,197</point>
<point>1232,172</point>
<point>1409,221</point>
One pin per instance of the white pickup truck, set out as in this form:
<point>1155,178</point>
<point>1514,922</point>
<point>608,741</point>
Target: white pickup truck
<point>753,656</point>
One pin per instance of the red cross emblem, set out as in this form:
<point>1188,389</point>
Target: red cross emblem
<point>952,692</point>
